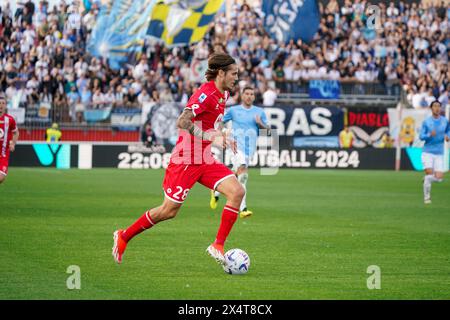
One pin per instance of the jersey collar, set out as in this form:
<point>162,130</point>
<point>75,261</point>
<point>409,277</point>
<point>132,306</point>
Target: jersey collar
<point>223,96</point>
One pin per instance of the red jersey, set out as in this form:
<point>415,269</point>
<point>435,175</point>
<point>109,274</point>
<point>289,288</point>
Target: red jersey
<point>208,106</point>
<point>7,127</point>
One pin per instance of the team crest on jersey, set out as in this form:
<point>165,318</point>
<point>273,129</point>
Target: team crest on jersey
<point>220,100</point>
<point>202,97</point>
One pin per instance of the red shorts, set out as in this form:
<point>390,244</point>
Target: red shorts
<point>180,178</point>
<point>4,166</point>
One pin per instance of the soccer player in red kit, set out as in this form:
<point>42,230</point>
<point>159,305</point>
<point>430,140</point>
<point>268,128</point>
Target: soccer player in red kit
<point>8,138</point>
<point>191,161</point>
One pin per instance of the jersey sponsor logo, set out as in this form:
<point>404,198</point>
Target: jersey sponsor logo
<point>202,97</point>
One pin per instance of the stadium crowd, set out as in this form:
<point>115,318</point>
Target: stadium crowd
<point>43,56</point>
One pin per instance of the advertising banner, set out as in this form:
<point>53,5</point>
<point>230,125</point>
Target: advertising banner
<point>406,124</point>
<point>57,155</point>
<point>137,156</point>
<point>369,125</point>
<point>307,126</point>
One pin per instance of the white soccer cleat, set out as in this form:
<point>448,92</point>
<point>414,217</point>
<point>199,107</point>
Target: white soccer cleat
<point>427,201</point>
<point>215,252</point>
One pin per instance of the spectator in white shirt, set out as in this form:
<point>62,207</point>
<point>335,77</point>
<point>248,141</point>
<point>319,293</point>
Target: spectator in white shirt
<point>41,72</point>
<point>97,99</point>
<point>140,69</point>
<point>392,11</point>
<point>40,15</point>
<point>445,96</point>
<point>137,86</point>
<point>333,73</point>
<point>32,83</point>
<point>11,91</point>
<point>66,43</point>
<point>143,98</point>
<point>418,98</point>
<point>74,20</point>
<point>270,96</point>
<point>361,74</point>
<point>81,67</point>
<point>108,98</point>
<point>118,97</point>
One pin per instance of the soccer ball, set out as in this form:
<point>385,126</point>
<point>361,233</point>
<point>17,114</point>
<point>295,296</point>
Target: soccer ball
<point>237,261</point>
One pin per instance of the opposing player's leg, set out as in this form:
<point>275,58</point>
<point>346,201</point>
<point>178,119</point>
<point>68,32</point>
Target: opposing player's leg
<point>427,186</point>
<point>434,172</point>
<point>214,199</point>
<point>240,164</point>
<point>242,176</point>
<point>214,195</point>
<point>427,163</point>
<point>219,177</point>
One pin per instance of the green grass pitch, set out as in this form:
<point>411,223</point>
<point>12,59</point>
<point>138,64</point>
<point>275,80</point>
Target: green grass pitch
<point>313,235</point>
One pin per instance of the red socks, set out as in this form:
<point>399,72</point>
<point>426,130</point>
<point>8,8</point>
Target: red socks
<point>229,216</point>
<point>143,223</point>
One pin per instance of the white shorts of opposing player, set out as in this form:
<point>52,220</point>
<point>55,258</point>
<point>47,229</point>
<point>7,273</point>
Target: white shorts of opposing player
<point>434,162</point>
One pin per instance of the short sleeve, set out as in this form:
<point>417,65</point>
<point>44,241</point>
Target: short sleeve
<point>228,115</point>
<point>197,103</point>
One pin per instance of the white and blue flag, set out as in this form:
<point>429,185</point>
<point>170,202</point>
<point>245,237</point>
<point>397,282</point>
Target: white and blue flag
<point>293,19</point>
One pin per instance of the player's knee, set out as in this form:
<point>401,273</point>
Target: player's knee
<point>238,193</point>
<point>168,212</point>
<point>2,178</point>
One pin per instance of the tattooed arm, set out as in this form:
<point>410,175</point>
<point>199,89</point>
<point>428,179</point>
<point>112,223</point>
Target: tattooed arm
<point>216,137</point>
<point>185,122</point>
